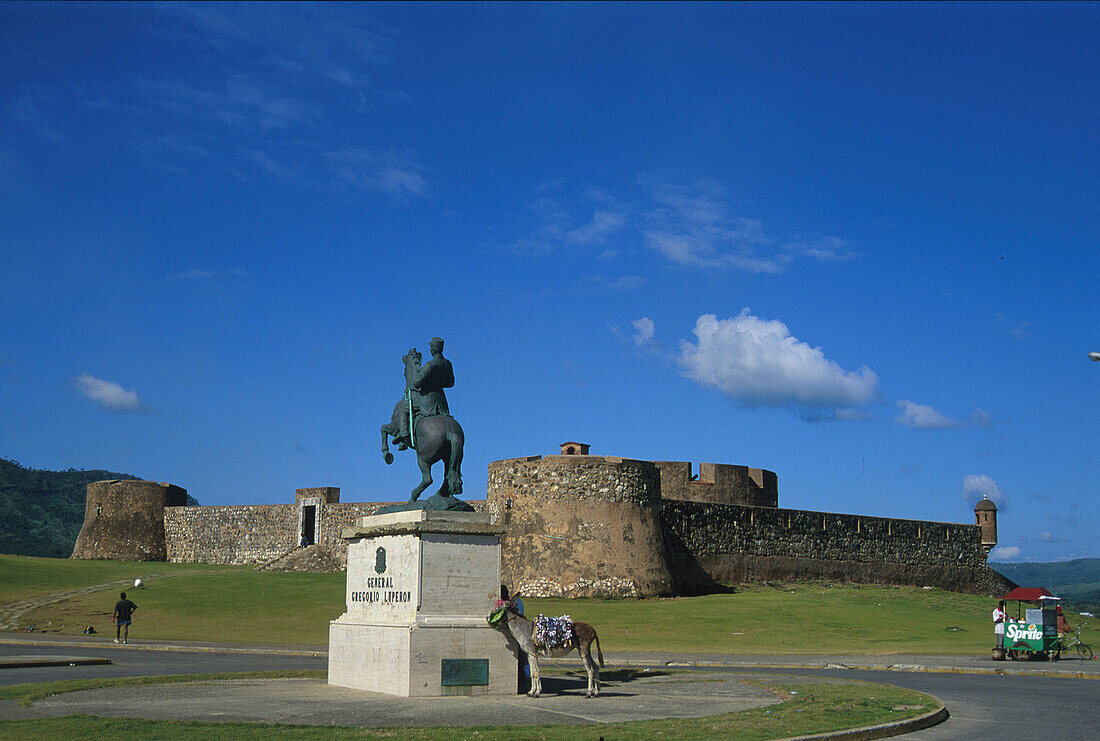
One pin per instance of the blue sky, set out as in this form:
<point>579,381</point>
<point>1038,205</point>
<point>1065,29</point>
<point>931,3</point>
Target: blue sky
<point>852,244</point>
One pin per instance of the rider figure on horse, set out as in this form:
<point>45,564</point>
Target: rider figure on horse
<point>424,390</point>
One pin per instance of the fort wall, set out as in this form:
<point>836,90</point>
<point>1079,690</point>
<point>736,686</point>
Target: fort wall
<point>258,533</point>
<point>719,483</point>
<point>579,525</point>
<point>563,515</point>
<point>230,534</point>
<point>252,534</point>
<point>709,543</point>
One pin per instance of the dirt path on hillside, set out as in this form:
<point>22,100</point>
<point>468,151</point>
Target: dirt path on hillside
<point>10,612</point>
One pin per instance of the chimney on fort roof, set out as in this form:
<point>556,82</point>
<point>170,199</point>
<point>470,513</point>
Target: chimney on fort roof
<point>985,512</point>
<point>574,448</point>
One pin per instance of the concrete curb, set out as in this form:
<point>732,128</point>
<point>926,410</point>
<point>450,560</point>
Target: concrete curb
<point>978,670</point>
<point>25,662</point>
<point>934,669</point>
<point>197,648</point>
<point>882,730</point>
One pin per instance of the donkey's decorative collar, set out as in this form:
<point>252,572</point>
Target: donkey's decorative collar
<point>500,609</point>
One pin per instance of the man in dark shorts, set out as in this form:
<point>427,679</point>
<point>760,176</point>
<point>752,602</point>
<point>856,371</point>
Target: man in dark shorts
<point>124,608</point>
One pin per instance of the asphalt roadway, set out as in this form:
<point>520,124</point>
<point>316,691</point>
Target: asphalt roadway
<point>986,700</point>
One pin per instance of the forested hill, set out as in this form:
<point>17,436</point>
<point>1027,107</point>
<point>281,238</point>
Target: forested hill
<point>41,511</point>
<point>1077,581</point>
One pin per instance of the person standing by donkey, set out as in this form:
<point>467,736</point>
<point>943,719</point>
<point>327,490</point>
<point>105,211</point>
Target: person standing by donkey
<point>124,609</point>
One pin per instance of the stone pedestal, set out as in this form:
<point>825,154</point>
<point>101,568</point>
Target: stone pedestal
<point>420,584</point>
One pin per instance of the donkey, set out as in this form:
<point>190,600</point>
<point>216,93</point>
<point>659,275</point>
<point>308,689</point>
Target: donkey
<point>523,630</point>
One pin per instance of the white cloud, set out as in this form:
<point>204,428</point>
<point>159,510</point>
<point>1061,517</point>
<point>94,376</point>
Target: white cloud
<point>531,247</point>
<point>628,283</point>
<point>397,180</point>
<point>37,110</point>
<point>826,249</point>
<point>1005,553</point>
<point>699,250</point>
<point>260,97</point>
<point>759,363</point>
<point>696,227</point>
<point>979,486</point>
<point>242,101</point>
<point>923,417</point>
<point>232,275</point>
<point>392,171</point>
<point>602,225</point>
<point>980,418</point>
<point>558,227</point>
<point>1019,330</point>
<point>643,331</point>
<point>110,396</point>
<point>691,226</point>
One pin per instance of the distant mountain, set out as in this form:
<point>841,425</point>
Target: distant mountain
<point>41,511</point>
<point>1078,581</point>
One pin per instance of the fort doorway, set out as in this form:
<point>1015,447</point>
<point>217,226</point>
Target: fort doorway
<point>309,524</point>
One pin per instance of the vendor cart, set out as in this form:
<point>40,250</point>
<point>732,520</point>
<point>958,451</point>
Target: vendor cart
<point>1032,633</point>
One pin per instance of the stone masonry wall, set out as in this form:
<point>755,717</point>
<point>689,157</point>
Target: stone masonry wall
<point>334,518</point>
<point>579,526</point>
<point>719,483</point>
<point>124,520</point>
<point>256,534</point>
<point>231,534</point>
<point>711,543</point>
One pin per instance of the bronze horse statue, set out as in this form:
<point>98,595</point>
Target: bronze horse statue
<point>436,438</point>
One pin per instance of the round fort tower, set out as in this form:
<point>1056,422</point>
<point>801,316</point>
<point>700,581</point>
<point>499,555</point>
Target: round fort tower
<point>124,520</point>
<point>580,525</point>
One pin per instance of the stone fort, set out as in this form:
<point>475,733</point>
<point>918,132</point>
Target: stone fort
<point>578,525</point>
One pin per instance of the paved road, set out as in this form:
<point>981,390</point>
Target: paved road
<point>135,661</point>
<point>990,707</point>
<point>982,705</point>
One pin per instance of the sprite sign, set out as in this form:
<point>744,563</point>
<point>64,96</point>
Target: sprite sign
<point>1029,636</point>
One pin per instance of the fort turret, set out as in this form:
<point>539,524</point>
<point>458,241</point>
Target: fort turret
<point>580,525</point>
<point>985,512</point>
<point>124,520</point>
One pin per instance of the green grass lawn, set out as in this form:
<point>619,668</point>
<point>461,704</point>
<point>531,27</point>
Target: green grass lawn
<point>26,576</point>
<point>209,603</point>
<point>791,618</point>
<point>215,603</point>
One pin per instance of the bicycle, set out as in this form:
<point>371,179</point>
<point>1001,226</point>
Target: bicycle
<point>1073,640</point>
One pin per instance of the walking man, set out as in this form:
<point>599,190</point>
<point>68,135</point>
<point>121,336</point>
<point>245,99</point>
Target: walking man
<point>124,608</point>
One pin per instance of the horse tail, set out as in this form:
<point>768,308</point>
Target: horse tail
<point>599,651</point>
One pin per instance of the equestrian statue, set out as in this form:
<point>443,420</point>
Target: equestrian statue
<point>422,421</point>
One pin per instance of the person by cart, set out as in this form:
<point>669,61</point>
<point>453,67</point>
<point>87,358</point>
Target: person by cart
<point>999,624</point>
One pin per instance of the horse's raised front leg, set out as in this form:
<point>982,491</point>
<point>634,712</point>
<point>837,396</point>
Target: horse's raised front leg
<point>426,480</point>
<point>536,680</point>
<point>387,430</point>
